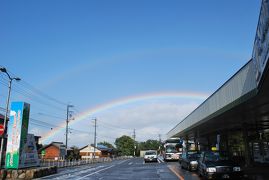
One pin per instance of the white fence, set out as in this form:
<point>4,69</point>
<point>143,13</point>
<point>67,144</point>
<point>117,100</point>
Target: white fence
<point>70,163</point>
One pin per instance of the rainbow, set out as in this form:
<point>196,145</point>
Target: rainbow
<point>124,101</point>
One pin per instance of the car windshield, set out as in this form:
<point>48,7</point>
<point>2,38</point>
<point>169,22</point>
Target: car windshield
<point>215,156</point>
<point>193,156</point>
<point>171,149</point>
<point>150,153</point>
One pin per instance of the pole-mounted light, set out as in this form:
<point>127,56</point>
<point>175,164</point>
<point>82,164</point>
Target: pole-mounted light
<point>10,79</point>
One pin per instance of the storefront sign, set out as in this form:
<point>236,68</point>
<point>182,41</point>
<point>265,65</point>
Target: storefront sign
<point>261,44</point>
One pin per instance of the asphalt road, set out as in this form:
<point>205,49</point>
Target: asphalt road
<point>131,169</point>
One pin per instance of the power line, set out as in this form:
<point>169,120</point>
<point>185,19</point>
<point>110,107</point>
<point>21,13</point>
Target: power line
<point>45,123</point>
<point>48,115</point>
<point>106,137</point>
<point>40,93</point>
<point>85,132</point>
<point>31,96</point>
<point>41,125</point>
<point>113,126</point>
<point>36,91</point>
<point>29,91</point>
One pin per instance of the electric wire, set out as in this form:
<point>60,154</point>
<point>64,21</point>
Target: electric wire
<point>29,91</point>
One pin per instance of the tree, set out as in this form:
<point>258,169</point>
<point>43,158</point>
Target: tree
<point>107,144</point>
<point>125,145</point>
<point>150,145</point>
<point>73,153</point>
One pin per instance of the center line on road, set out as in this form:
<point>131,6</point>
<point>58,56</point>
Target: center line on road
<point>96,172</point>
<point>176,173</point>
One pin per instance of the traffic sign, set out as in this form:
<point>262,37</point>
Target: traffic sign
<point>1,129</point>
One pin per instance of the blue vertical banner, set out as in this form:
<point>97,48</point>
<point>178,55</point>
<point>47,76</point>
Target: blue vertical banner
<point>17,133</point>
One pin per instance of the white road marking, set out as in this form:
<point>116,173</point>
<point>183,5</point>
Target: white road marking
<point>159,161</point>
<point>130,163</point>
<point>96,172</point>
<point>68,173</point>
<point>122,161</point>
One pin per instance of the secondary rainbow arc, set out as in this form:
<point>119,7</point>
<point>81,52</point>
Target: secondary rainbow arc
<point>121,102</point>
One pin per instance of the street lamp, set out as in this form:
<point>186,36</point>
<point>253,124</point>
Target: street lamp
<point>10,79</point>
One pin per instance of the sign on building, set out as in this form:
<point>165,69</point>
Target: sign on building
<point>261,44</point>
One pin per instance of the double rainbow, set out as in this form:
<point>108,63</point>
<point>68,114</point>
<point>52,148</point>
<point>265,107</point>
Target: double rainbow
<point>125,101</point>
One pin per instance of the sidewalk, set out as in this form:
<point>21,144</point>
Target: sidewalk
<point>257,172</point>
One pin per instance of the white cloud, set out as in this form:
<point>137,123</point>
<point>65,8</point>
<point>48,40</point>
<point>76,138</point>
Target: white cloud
<point>149,120</point>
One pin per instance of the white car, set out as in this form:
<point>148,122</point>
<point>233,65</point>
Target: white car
<point>151,156</point>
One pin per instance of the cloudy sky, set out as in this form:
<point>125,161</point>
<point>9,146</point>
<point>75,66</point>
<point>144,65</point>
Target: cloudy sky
<point>92,54</point>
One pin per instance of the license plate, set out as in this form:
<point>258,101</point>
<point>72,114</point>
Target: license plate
<point>225,176</point>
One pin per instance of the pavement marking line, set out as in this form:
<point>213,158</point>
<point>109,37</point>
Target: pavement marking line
<point>96,172</point>
<point>130,163</point>
<point>159,161</point>
<point>63,173</point>
<point>176,173</point>
<point>123,161</point>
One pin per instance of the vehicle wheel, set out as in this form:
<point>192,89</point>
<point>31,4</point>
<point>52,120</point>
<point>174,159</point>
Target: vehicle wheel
<point>189,168</point>
<point>199,173</point>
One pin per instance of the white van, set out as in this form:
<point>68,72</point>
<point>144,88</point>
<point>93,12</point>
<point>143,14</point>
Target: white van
<point>151,156</point>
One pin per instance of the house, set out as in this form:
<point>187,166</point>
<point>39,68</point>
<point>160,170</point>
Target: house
<point>87,152</point>
<point>106,152</point>
<point>53,151</point>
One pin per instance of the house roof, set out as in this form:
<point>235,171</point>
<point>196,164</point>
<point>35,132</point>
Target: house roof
<point>89,148</point>
<point>100,146</point>
<point>56,144</point>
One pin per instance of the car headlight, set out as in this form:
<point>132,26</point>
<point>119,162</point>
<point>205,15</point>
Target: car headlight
<point>236,169</point>
<point>211,169</point>
<point>193,162</point>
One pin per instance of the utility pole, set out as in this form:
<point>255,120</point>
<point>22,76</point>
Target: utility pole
<point>160,142</point>
<point>94,138</point>
<point>67,122</point>
<point>134,136</point>
<point>10,79</point>
<point>160,138</point>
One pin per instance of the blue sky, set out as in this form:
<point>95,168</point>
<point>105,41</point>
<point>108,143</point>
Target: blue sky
<point>93,52</point>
